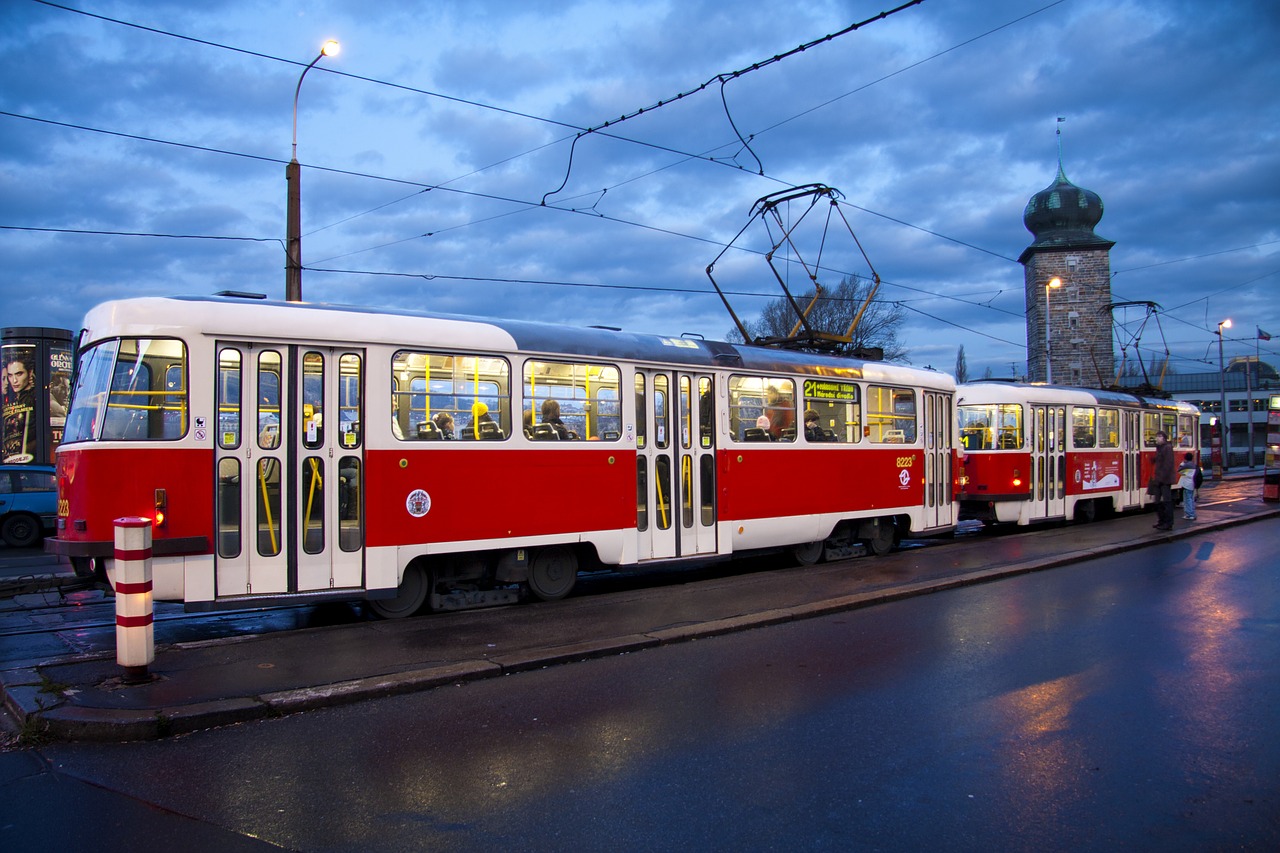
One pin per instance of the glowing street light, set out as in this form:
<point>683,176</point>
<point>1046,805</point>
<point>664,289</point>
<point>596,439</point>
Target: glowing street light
<point>1224,429</point>
<point>1052,284</point>
<point>293,178</point>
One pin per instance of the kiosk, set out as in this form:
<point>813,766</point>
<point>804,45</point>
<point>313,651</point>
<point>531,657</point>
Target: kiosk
<point>37,387</point>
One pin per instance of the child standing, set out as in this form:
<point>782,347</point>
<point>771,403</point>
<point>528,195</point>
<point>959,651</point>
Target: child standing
<point>1187,482</point>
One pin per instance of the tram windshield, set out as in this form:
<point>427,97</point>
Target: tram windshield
<point>130,389</point>
<point>991,427</point>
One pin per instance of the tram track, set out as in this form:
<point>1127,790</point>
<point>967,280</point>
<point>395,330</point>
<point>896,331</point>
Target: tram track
<point>87,627</point>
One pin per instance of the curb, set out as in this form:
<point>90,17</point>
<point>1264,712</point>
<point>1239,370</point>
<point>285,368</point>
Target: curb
<point>27,695</point>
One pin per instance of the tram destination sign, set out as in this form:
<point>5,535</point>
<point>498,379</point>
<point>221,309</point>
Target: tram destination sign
<point>818,389</point>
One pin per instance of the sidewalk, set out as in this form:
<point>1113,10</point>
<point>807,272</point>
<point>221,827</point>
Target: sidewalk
<point>215,682</point>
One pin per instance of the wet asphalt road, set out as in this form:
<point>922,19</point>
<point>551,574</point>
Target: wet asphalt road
<point>1127,702</point>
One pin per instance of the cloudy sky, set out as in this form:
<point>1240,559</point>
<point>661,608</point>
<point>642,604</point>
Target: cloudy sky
<point>143,146</point>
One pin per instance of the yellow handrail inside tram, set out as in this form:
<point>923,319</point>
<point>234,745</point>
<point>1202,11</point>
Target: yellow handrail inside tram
<point>266,504</point>
<point>311,492</point>
<point>662,502</point>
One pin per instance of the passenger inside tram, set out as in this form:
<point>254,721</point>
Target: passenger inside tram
<point>551,417</point>
<point>482,423</point>
<point>781,413</point>
<point>812,431</point>
<point>976,436</point>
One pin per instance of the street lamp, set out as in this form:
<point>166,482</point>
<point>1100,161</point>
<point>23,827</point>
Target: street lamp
<point>1225,429</point>
<point>1052,284</point>
<point>293,178</point>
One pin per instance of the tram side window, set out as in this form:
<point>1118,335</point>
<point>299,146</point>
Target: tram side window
<point>268,380</point>
<point>1084,423</point>
<point>1169,423</point>
<point>1186,431</point>
<point>706,411</point>
<point>568,401</point>
<point>1108,428</point>
<point>1150,425</point>
<point>996,426</point>
<point>312,400</point>
<point>762,408</point>
<point>229,400</point>
<point>642,413</point>
<point>838,406</point>
<point>175,401</point>
<point>350,403</point>
<point>891,415</point>
<point>141,403</point>
<point>439,396</point>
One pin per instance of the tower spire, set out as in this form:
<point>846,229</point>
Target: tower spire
<point>1061,119</point>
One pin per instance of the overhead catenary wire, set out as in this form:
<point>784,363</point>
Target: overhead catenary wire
<point>423,187</point>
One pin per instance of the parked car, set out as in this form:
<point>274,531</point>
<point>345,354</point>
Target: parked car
<point>28,503</point>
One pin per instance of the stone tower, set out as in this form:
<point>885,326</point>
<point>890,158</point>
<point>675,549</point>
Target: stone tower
<point>1068,327</point>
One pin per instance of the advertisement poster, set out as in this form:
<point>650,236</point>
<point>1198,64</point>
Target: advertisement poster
<point>60,363</point>
<point>1100,473</point>
<point>21,427</point>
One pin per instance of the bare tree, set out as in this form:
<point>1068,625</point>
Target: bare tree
<point>834,311</point>
<point>962,367</point>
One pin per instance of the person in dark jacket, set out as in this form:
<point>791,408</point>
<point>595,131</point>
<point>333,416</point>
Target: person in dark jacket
<point>551,415</point>
<point>1164,477</point>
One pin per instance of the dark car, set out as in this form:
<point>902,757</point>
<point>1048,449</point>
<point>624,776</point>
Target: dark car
<point>28,503</point>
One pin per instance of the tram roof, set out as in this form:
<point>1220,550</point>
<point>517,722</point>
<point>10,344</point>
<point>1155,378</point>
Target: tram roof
<point>979,393</point>
<point>233,317</point>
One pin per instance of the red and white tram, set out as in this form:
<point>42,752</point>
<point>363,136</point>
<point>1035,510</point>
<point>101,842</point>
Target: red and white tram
<point>1037,452</point>
<point>292,451</point>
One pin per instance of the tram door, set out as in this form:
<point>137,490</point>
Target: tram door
<point>1048,461</point>
<point>1134,489</point>
<point>290,469</point>
<point>675,464</point>
<point>938,504</point>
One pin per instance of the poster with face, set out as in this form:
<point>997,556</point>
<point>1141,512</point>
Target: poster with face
<point>60,364</point>
<point>20,427</point>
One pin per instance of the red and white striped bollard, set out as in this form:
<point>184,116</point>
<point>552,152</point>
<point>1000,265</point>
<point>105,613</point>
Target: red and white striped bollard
<point>135,622</point>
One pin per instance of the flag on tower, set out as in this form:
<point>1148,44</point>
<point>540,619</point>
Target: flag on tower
<point>1262,336</point>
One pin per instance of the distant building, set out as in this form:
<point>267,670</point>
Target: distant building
<point>1078,335</point>
<point>1245,379</point>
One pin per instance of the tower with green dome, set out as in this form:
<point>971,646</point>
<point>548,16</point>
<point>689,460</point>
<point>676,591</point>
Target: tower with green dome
<point>1077,336</point>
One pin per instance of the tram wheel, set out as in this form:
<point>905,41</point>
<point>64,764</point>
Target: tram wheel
<point>409,598</point>
<point>553,573</point>
<point>90,568</point>
<point>808,553</point>
<point>1086,511</point>
<point>881,542</point>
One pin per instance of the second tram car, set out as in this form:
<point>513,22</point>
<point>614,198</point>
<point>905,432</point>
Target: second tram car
<point>1035,452</point>
<point>293,451</point>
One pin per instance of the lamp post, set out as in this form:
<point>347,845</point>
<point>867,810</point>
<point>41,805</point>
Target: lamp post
<point>1052,284</point>
<point>293,179</point>
<point>1225,429</point>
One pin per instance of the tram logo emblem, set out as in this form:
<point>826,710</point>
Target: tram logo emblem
<point>904,477</point>
<point>418,503</point>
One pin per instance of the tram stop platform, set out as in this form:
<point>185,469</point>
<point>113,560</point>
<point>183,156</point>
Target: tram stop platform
<point>247,673</point>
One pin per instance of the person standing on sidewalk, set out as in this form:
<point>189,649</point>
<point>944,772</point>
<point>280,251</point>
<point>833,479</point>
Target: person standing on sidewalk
<point>1164,477</point>
<point>1187,482</point>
